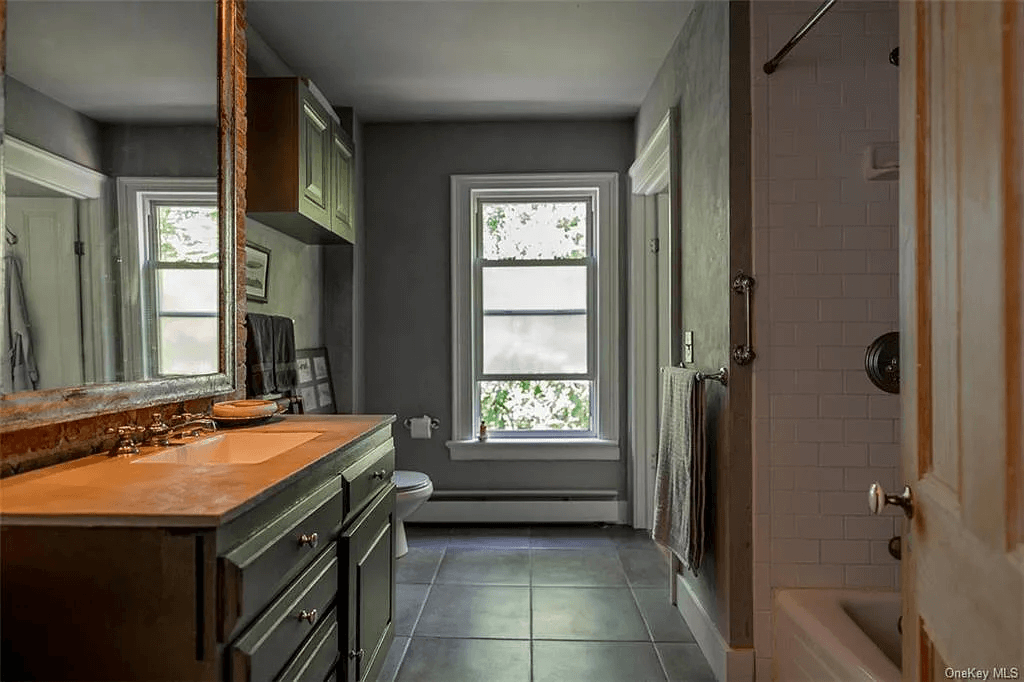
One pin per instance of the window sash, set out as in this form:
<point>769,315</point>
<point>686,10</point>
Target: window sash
<point>152,202</point>
<point>589,261</point>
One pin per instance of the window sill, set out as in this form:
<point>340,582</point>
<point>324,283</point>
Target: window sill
<point>548,448</point>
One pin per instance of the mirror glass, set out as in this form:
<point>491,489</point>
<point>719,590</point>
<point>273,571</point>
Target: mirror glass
<point>112,242</point>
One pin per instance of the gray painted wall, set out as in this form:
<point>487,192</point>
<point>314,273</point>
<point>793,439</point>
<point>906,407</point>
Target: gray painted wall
<point>182,151</point>
<point>295,282</point>
<point>44,122</point>
<point>698,75</point>
<point>407,317</point>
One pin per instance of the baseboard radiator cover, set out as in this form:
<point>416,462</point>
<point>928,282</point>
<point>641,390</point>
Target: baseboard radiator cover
<point>522,506</point>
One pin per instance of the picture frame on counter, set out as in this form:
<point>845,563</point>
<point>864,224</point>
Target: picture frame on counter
<point>257,272</point>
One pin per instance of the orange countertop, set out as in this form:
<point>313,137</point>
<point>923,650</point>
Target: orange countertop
<point>103,491</point>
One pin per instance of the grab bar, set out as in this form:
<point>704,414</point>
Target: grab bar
<point>744,354</point>
<point>774,62</point>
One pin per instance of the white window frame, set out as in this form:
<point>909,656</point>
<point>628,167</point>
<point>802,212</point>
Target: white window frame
<point>135,196</point>
<point>466,192</point>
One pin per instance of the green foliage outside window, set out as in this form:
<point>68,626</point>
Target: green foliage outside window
<point>544,405</point>
<point>187,234</point>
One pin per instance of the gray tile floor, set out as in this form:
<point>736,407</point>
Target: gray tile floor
<point>537,604</point>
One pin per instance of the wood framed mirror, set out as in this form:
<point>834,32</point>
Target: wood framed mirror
<point>122,195</point>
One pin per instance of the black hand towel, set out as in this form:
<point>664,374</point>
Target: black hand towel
<point>285,372</point>
<point>259,354</point>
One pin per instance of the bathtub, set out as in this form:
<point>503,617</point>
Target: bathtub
<point>841,635</point>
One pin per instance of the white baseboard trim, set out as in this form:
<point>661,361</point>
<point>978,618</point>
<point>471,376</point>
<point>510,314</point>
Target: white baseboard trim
<point>728,664</point>
<point>521,511</point>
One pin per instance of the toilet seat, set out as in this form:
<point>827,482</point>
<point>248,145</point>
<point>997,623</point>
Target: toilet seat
<point>409,481</point>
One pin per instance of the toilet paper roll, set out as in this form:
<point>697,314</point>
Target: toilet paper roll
<point>420,427</point>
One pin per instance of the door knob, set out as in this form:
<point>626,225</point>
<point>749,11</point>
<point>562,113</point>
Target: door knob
<point>878,498</point>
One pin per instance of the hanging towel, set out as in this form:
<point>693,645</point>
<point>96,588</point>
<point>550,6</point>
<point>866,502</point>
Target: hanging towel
<point>20,372</point>
<point>285,371</point>
<point>259,354</point>
<point>682,461</point>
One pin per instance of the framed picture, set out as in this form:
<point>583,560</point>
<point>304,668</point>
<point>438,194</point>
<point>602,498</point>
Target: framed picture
<point>315,381</point>
<point>257,272</point>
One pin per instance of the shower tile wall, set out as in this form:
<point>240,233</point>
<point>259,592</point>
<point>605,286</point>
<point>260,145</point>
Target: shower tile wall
<point>825,243</point>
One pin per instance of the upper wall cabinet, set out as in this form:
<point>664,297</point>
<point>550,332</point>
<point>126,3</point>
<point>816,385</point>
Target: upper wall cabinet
<point>299,176</point>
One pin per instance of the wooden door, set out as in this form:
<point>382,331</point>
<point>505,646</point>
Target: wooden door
<point>961,265</point>
<point>47,229</point>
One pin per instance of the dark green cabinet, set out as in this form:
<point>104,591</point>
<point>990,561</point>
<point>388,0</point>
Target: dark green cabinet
<point>368,547</point>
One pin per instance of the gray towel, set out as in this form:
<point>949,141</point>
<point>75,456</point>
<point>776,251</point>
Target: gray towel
<point>19,363</point>
<point>682,461</point>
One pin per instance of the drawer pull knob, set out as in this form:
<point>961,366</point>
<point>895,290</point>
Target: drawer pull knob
<point>308,616</point>
<point>379,475</point>
<point>356,654</point>
<point>312,540</point>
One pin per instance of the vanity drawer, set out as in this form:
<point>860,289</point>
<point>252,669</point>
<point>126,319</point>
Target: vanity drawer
<point>317,656</point>
<point>254,571</point>
<point>262,651</point>
<point>367,476</point>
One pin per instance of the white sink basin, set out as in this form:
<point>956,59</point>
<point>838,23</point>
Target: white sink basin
<point>230,448</point>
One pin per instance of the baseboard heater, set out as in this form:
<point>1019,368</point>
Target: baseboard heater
<point>522,506</point>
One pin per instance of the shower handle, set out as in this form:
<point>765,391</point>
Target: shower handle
<point>878,499</point>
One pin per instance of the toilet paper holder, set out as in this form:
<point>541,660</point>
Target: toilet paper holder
<point>435,423</point>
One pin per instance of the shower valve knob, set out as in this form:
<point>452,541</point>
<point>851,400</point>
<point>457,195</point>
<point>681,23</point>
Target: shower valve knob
<point>878,499</point>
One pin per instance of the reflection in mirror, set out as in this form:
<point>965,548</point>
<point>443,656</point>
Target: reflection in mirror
<point>112,248</point>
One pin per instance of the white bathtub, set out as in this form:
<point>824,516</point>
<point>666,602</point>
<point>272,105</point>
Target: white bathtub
<point>841,635</point>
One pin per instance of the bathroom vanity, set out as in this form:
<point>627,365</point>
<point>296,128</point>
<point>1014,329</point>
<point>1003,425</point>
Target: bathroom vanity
<point>206,564</point>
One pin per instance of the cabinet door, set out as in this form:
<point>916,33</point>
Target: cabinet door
<point>368,552</point>
<point>341,182</point>
<point>314,159</point>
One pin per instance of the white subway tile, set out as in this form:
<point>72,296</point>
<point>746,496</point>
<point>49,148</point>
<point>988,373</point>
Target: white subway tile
<point>883,213</point>
<point>793,502</point>
<point>783,334</point>
<point>863,333</point>
<point>841,213</point>
<point>869,527</point>
<point>819,333</point>
<point>783,526</point>
<point>794,551</point>
<point>794,406</point>
<point>860,479</point>
<point>795,454</point>
<point>867,431</point>
<point>819,527</point>
<point>783,430</point>
<point>843,262</point>
<point>884,311</point>
<point>791,262</point>
<point>817,478</point>
<point>762,587</point>
<point>819,431</point>
<point>762,537</point>
<point>818,381</point>
<point>868,286</point>
<point>794,357</point>
<point>807,575</point>
<point>793,168</point>
<point>818,238</point>
<point>845,551</point>
<point>842,310</point>
<point>885,454</point>
<point>884,261</point>
<point>782,478</point>
<point>839,406</point>
<point>880,553</point>
<point>842,357</point>
<point>818,286</point>
<point>846,503</point>
<point>843,454</point>
<point>792,215</point>
<point>870,576</point>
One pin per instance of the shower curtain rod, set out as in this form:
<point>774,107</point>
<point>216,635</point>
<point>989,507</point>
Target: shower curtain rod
<point>773,63</point>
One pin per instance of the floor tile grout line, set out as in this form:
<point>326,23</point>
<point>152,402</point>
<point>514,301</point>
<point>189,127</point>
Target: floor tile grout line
<point>643,617</point>
<point>419,613</point>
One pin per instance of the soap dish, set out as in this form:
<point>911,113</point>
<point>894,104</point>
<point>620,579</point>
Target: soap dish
<point>244,409</point>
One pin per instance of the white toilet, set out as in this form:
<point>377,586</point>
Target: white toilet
<point>414,489</point>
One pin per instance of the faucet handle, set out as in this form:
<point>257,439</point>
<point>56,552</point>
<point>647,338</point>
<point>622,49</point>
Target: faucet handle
<point>126,430</point>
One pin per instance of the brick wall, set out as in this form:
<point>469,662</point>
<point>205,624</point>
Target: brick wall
<point>826,267</point>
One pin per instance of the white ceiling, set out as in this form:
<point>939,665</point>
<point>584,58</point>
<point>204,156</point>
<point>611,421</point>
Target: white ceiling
<point>474,59</point>
<point>118,60</point>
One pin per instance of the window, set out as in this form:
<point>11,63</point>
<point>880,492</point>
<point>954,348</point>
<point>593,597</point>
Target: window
<point>534,286</point>
<point>173,250</point>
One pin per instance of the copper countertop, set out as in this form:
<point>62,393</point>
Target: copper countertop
<point>102,491</point>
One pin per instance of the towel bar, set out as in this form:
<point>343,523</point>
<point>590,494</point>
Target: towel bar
<point>721,376</point>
